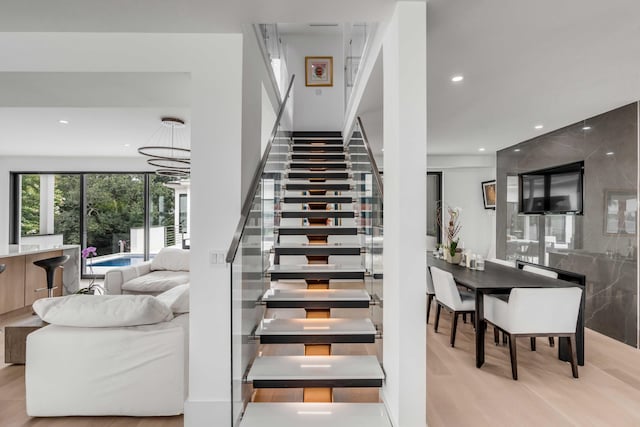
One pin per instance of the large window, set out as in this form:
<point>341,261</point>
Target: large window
<point>49,209</point>
<point>434,200</point>
<point>128,217</point>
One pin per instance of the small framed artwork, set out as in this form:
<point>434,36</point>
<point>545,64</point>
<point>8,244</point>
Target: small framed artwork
<point>489,194</point>
<point>620,212</point>
<point>318,70</point>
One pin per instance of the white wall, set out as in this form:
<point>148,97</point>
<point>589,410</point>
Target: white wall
<point>405,263</point>
<point>323,106</point>
<point>461,187</point>
<point>258,94</point>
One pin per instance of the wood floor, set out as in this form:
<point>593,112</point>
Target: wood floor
<point>458,394</point>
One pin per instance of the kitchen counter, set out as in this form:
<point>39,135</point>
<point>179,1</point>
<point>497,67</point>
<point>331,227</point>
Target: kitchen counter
<point>17,250</point>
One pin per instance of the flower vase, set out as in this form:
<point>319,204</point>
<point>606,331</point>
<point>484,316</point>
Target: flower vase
<point>452,259</point>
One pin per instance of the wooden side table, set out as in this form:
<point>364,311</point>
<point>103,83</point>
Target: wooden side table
<point>15,339</point>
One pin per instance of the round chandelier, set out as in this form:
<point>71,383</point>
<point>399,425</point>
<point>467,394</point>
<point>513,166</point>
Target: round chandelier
<point>170,152</point>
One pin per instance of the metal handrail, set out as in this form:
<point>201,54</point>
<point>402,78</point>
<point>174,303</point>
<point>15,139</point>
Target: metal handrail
<point>248,201</point>
<point>374,165</point>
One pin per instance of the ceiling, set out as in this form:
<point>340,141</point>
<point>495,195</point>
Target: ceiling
<point>525,63</point>
<point>108,114</point>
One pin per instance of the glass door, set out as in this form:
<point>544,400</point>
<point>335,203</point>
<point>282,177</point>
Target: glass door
<point>114,219</point>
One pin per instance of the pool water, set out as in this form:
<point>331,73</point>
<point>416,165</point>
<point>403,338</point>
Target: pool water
<point>122,261</point>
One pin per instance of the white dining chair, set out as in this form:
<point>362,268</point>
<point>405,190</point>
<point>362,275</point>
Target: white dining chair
<point>449,297</point>
<point>540,271</point>
<point>431,292</point>
<point>546,273</point>
<point>534,312</point>
<point>506,263</point>
<point>512,264</point>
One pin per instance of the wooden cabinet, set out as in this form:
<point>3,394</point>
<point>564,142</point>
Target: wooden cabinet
<point>36,278</point>
<point>12,284</point>
<point>18,283</point>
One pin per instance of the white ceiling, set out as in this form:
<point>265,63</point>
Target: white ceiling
<point>105,111</point>
<point>524,63</point>
<point>185,16</point>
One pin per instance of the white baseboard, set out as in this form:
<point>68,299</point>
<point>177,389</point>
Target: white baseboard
<point>204,413</point>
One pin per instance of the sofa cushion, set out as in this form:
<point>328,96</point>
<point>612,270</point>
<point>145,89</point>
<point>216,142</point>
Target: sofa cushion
<point>176,298</point>
<point>156,282</point>
<point>172,259</point>
<point>96,311</point>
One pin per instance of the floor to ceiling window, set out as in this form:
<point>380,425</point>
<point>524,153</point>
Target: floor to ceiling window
<point>128,217</point>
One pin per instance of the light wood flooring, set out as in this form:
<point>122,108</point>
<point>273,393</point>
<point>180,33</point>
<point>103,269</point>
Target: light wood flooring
<point>458,394</point>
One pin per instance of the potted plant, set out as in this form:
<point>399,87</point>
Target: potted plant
<point>87,254</point>
<point>453,254</point>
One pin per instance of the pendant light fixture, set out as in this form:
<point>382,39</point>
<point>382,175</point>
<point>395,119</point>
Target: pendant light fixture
<point>170,153</point>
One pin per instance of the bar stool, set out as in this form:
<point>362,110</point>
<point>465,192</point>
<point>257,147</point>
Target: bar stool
<point>49,265</point>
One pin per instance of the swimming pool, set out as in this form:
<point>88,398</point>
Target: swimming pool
<point>119,261</point>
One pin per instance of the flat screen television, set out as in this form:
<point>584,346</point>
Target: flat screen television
<point>556,190</point>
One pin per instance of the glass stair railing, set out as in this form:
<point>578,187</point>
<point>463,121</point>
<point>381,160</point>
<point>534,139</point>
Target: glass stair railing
<point>306,282</point>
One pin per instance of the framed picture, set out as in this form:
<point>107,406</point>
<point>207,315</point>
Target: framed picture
<point>489,194</point>
<point>620,212</point>
<point>318,70</point>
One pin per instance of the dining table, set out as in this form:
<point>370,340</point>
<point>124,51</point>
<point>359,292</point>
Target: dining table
<point>500,279</point>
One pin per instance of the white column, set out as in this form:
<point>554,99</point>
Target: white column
<point>47,189</point>
<point>215,209</point>
<point>405,166</point>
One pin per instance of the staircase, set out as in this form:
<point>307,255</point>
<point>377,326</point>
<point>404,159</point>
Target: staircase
<point>317,300</point>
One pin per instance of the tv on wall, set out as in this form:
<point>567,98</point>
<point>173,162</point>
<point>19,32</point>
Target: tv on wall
<point>556,190</point>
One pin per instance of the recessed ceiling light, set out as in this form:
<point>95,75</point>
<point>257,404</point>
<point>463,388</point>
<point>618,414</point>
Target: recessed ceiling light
<point>481,149</point>
<point>63,122</point>
<point>457,78</point>
<point>382,150</point>
<point>517,150</point>
<point>609,153</point>
<point>586,128</point>
<point>538,127</point>
<point>127,145</point>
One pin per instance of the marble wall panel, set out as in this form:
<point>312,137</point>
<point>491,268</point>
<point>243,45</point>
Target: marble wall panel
<point>608,145</point>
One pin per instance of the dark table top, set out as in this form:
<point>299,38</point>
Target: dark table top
<point>496,277</point>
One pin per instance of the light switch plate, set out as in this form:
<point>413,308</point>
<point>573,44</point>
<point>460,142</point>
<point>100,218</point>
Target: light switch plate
<point>217,257</point>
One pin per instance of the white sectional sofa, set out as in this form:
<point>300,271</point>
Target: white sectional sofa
<point>136,365</point>
<point>168,269</point>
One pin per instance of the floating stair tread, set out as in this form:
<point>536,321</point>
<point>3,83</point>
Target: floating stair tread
<point>314,246</point>
<point>295,165</point>
<point>312,213</point>
<point>316,295</point>
<point>326,148</point>
<point>317,249</point>
<point>320,327</point>
<point>294,414</point>
<point>317,230</point>
<point>318,199</point>
<point>318,141</point>
<point>316,187</point>
<point>301,368</point>
<point>316,134</point>
<point>315,268</point>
